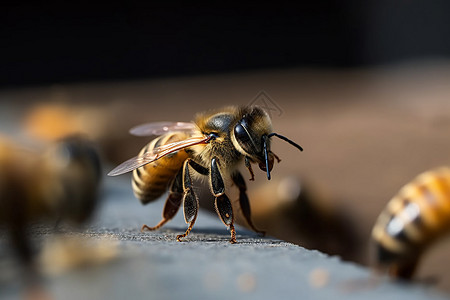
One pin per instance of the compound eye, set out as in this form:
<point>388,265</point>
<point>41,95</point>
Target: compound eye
<point>241,134</point>
<point>243,138</point>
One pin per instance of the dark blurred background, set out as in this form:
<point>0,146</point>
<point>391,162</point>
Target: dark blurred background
<point>55,42</point>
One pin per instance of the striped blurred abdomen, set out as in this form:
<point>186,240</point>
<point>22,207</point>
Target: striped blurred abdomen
<point>152,180</point>
<point>416,216</point>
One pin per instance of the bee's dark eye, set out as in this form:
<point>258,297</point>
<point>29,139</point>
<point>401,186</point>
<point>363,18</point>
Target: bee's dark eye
<point>241,134</point>
<point>243,138</point>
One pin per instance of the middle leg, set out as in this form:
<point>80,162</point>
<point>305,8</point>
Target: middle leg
<point>190,201</point>
<point>222,203</point>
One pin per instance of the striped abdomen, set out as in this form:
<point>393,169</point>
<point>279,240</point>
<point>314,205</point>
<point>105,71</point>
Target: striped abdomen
<point>151,181</point>
<point>416,216</point>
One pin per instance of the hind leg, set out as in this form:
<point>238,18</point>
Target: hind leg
<point>173,202</point>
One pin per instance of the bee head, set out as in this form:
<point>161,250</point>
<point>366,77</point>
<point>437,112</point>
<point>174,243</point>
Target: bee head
<point>251,137</point>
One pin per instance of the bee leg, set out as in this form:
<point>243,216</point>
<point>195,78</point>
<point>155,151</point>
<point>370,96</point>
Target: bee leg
<point>225,212</point>
<point>222,203</point>
<point>243,200</point>
<point>21,243</point>
<point>276,157</point>
<point>190,201</point>
<point>249,167</point>
<point>173,202</point>
<point>404,270</point>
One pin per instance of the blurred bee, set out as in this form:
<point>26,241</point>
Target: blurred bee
<point>417,216</point>
<point>213,145</point>
<point>59,185</point>
<point>298,204</point>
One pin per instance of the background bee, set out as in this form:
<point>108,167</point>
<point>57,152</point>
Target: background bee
<point>58,185</point>
<point>417,216</point>
<point>213,145</point>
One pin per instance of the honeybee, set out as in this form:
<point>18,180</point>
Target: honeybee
<point>58,185</point>
<point>417,216</point>
<point>213,145</point>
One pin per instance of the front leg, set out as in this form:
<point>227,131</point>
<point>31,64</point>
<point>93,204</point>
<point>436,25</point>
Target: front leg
<point>276,157</point>
<point>222,203</point>
<point>249,167</point>
<point>243,200</point>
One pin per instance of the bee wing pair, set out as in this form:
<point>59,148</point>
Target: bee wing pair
<point>155,129</point>
<point>160,128</point>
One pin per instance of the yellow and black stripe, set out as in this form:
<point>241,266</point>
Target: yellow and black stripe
<point>416,216</point>
<point>152,180</point>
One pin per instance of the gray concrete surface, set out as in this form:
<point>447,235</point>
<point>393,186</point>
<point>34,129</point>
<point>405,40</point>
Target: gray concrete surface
<point>152,265</point>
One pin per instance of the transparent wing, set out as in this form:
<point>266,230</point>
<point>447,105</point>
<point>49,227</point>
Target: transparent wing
<point>160,128</point>
<point>133,163</point>
<point>156,154</point>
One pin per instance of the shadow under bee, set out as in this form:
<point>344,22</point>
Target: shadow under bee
<point>203,233</point>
